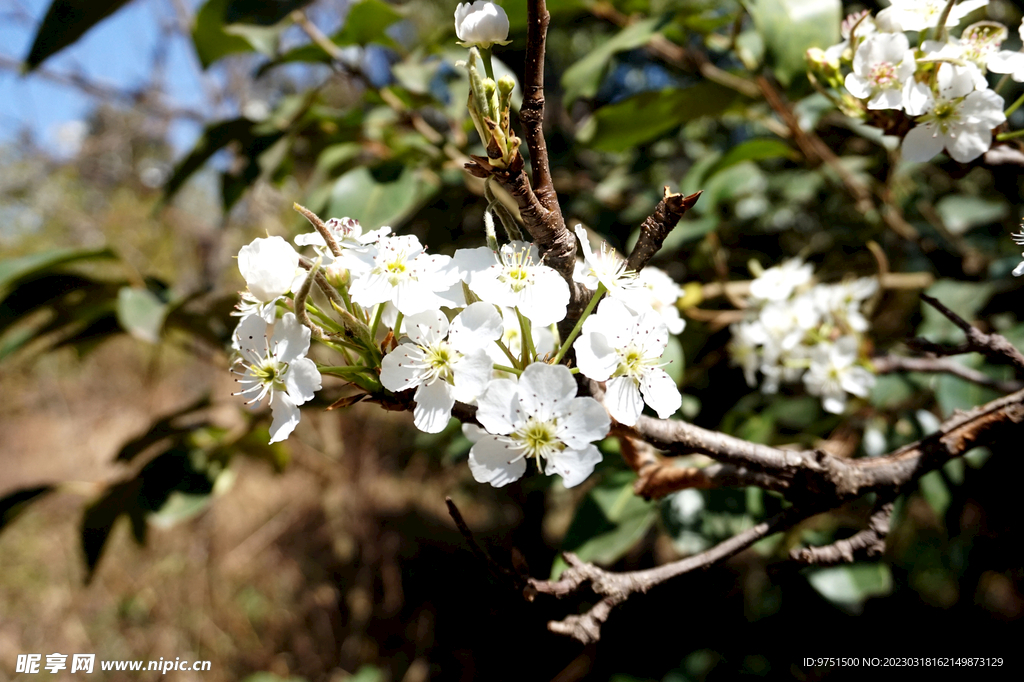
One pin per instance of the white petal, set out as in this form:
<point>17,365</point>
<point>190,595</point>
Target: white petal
<point>545,390</point>
<point>399,369</point>
<point>498,408</point>
<point>970,143</point>
<point>472,372</point>
<point>574,466</point>
<point>268,266</point>
<point>1019,270</point>
<point>302,380</point>
<point>917,98</point>
<point>476,327</point>
<point>595,356</point>
<point>470,262</point>
<point>493,460</point>
<point>434,404</point>
<point>586,422</point>
<point>622,398</point>
<point>545,301</point>
<point>660,392</point>
<point>291,339</point>
<point>858,86</point>
<point>286,417</point>
<point>250,334</point>
<point>922,143</point>
<point>427,328</point>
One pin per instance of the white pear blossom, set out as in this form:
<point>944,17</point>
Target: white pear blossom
<point>347,233</point>
<point>512,337</point>
<point>779,282</point>
<point>537,417</point>
<point>276,367</point>
<point>608,268</point>
<point>918,15</point>
<point>624,350</point>
<point>833,374</point>
<point>515,277</point>
<point>959,118</point>
<point>444,363</point>
<point>663,292</point>
<point>481,23</point>
<point>881,66</point>
<point>270,267</point>
<point>400,271</point>
<point>841,303</point>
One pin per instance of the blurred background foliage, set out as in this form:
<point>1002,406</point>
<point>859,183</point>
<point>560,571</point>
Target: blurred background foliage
<point>143,515</point>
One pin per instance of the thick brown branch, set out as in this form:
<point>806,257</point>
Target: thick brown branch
<point>869,542</point>
<point>996,347</point>
<point>890,364</point>
<point>531,113</point>
<point>657,227</point>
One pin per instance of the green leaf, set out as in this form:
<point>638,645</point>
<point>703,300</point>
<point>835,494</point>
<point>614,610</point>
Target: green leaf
<point>15,269</point>
<point>367,22</point>
<point>752,150</point>
<point>961,212</point>
<point>141,313</point>
<point>260,12</point>
<point>608,523</point>
<point>851,585</point>
<point>583,78</point>
<point>213,40</point>
<point>963,298</point>
<point>935,492</point>
<point>790,27</point>
<point>359,194</point>
<point>214,138</point>
<point>65,22</point>
<point>13,504</point>
<point>644,117</point>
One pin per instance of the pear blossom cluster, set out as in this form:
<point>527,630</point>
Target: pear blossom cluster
<point>479,327</point>
<point>938,80</point>
<point>797,330</point>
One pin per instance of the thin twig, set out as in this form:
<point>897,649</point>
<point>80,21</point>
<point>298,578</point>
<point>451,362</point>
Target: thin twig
<point>890,364</point>
<point>996,347</point>
<point>497,570</point>
<point>869,542</point>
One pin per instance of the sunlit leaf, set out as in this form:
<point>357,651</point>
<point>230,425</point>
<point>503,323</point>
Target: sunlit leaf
<point>376,202</point>
<point>12,270</point>
<point>608,523</point>
<point>851,585</point>
<point>65,22</point>
<point>790,27</point>
<point>141,313</point>
<point>215,36</point>
<point>961,212</point>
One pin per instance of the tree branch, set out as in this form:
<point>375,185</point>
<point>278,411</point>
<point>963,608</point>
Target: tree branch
<point>615,588</point>
<point>657,227</point>
<point>996,347</point>
<point>869,542</point>
<point>890,364</point>
<point>531,113</point>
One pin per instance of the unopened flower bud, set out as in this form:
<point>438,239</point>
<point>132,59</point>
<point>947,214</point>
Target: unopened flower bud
<point>337,276</point>
<point>481,23</point>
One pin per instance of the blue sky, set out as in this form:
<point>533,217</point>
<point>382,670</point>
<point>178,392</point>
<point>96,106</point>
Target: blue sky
<point>118,52</point>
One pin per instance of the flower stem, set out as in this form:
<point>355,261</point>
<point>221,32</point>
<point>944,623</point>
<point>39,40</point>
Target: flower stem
<point>529,352</point>
<point>508,353</point>
<point>1010,136</point>
<point>1013,107</point>
<point>510,370</point>
<point>940,29</point>
<point>377,312</point>
<point>485,56</point>
<point>398,324</point>
<point>342,370</point>
<point>598,293</point>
